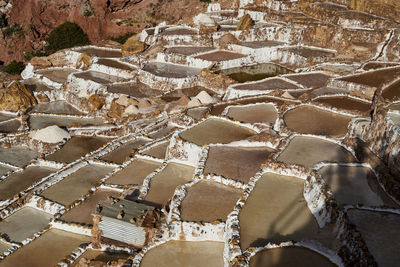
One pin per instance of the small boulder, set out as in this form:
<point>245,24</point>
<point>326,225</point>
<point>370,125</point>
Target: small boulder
<point>131,110</point>
<point>58,59</point>
<point>16,97</point>
<point>183,101</point>
<point>42,98</point>
<point>194,102</point>
<point>123,101</point>
<point>287,95</point>
<point>227,39</point>
<point>245,23</point>
<point>84,61</point>
<point>208,29</point>
<point>40,62</point>
<point>205,98</point>
<point>97,101</point>
<point>51,134</point>
<point>132,46</point>
<point>144,103</point>
<point>203,19</point>
<point>116,111</point>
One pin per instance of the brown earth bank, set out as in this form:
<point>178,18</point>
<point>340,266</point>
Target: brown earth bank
<point>99,19</point>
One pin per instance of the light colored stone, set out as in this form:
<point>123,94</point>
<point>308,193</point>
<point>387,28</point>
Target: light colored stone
<point>58,59</point>
<point>123,101</point>
<point>205,98</point>
<point>287,95</point>
<point>131,110</point>
<point>144,103</point>
<point>194,102</point>
<point>51,134</point>
<point>203,19</point>
<point>40,62</point>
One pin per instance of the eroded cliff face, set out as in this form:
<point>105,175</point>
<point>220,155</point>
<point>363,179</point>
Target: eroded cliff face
<point>27,22</point>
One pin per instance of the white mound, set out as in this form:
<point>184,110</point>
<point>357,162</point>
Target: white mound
<point>51,134</point>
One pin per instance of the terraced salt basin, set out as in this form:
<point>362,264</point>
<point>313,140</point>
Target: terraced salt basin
<point>98,77</point>
<point>77,147</point>
<point>189,92</point>
<point>10,126</point>
<point>19,181</point>
<point>47,250</point>
<point>6,116</point>
<point>59,75</point>
<point>24,223</point>
<point>115,64</point>
<point>395,106</point>
<point>354,185</point>
<point>238,163</point>
<point>170,70</point>
<point>162,131</point>
<point>188,50</point>
<point>214,130</point>
<point>267,84</point>
<point>100,256</point>
<point>83,212</point>
<point>76,184</point>
<point>158,151</point>
<point>374,78</point>
<point>36,85</point>
<point>123,152</point>
<point>163,184</point>
<point>264,112</point>
<point>346,103</point>
<point>219,56</point>
<point>217,109</point>
<point>197,113</point>
<point>310,80</point>
<point>209,201</point>
<point>323,91</point>
<point>185,253</point>
<point>17,155</point>
<point>308,151</point>
<point>280,210</point>
<point>308,52</point>
<point>255,72</point>
<point>56,107</point>
<point>179,31</point>
<point>134,173</point>
<point>43,120</point>
<point>378,65</point>
<point>99,52</point>
<point>134,89</point>
<point>311,120</point>
<point>289,257</point>
<point>380,231</point>
<point>392,92</point>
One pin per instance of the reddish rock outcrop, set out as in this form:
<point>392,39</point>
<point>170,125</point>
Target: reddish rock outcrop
<point>99,19</point>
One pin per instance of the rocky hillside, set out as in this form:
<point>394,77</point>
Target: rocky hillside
<point>25,23</point>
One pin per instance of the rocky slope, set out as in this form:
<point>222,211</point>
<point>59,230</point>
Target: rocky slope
<point>25,23</point>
